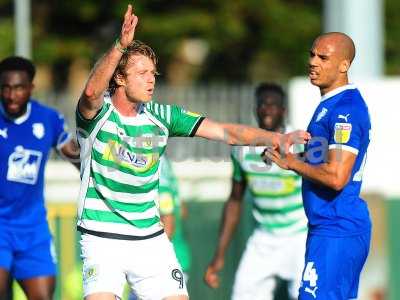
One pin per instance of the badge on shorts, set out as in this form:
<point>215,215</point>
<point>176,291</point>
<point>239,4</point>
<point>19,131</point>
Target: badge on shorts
<point>342,132</point>
<point>90,273</point>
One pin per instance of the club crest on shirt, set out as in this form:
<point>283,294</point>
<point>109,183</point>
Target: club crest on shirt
<point>342,132</point>
<point>24,165</point>
<point>149,141</point>
<point>3,133</point>
<point>38,130</point>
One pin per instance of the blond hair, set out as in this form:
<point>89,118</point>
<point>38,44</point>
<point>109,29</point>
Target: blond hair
<point>136,47</point>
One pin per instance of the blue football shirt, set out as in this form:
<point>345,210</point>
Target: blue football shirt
<point>341,121</point>
<point>25,144</point>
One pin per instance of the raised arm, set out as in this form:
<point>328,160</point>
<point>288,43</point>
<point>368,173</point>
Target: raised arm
<point>91,99</point>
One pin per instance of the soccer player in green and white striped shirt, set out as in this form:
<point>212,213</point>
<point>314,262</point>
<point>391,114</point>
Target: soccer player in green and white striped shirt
<point>122,134</point>
<point>277,246</point>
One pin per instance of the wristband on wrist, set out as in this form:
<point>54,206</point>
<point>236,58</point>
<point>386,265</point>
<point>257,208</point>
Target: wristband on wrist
<point>118,46</point>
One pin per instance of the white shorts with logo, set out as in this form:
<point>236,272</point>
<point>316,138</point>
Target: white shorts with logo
<point>149,266</point>
<point>266,257</point>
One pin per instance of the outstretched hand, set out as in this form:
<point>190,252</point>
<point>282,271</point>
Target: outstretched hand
<point>281,155</point>
<point>283,161</point>
<point>295,137</point>
<point>128,27</point>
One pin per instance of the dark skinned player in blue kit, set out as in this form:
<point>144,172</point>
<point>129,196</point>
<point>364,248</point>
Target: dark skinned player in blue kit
<point>339,223</point>
<point>28,131</point>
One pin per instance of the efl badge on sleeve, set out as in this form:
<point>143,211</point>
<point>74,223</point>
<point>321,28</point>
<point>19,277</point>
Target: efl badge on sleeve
<point>190,113</point>
<point>342,132</point>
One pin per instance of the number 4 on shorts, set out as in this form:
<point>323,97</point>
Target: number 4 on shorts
<point>310,274</point>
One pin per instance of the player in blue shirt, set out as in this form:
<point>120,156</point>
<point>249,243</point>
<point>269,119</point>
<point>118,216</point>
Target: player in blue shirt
<point>28,131</point>
<point>339,224</point>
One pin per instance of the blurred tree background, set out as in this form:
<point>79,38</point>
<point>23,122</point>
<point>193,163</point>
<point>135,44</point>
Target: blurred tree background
<point>197,41</point>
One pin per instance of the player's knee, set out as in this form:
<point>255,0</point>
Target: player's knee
<point>40,297</point>
<point>5,293</point>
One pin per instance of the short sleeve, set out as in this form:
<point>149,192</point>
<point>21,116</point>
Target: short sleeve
<point>184,123</point>
<point>345,128</point>
<point>61,135</point>
<point>237,174</point>
<point>86,126</point>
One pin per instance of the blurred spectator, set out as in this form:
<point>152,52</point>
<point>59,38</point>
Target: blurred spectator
<point>276,247</point>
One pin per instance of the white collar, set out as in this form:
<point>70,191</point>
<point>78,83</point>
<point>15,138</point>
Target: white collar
<point>337,91</point>
<point>20,119</point>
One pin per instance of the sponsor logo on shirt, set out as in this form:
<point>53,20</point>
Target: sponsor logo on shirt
<point>272,186</point>
<point>342,132</point>
<point>122,156</point>
<point>24,165</point>
<point>344,117</point>
<point>312,291</point>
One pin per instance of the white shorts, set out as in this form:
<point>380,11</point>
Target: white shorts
<point>266,257</point>
<point>149,266</point>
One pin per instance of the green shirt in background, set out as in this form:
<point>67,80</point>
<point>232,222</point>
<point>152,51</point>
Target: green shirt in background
<point>170,203</point>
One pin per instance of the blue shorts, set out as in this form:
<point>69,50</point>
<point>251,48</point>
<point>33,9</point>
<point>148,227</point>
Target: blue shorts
<point>27,254</point>
<point>333,266</point>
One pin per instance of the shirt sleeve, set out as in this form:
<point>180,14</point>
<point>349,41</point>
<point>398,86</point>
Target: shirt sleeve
<point>184,123</point>
<point>345,128</point>
<point>237,174</point>
<point>86,126</point>
<point>61,135</point>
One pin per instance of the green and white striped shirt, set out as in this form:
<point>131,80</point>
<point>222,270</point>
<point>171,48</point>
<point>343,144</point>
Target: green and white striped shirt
<point>120,167</point>
<point>275,193</point>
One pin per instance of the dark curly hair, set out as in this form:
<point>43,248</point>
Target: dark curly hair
<point>135,47</point>
<point>267,89</point>
<point>17,63</point>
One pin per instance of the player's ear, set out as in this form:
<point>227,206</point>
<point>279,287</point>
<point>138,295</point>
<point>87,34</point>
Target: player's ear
<point>344,66</point>
<point>119,79</point>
